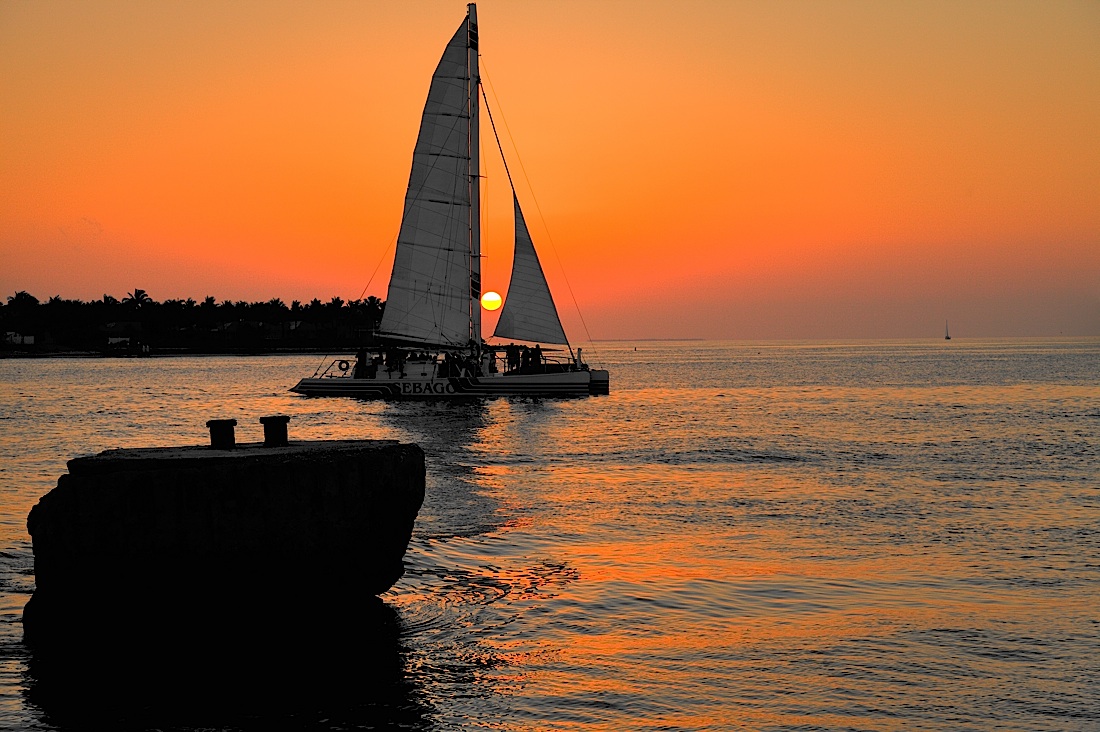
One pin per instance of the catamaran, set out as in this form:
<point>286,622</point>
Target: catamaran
<point>430,339</point>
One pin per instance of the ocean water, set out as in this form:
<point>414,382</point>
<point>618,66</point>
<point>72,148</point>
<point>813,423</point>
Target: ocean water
<point>742,536</point>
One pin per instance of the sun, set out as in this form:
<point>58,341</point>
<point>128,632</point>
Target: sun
<point>490,301</point>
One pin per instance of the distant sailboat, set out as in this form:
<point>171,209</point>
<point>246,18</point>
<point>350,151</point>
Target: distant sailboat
<point>431,339</point>
<point>946,332</point>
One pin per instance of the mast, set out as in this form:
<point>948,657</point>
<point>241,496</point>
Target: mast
<point>472,81</point>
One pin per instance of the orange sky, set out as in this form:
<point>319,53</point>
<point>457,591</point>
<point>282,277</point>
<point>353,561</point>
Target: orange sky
<point>709,169</point>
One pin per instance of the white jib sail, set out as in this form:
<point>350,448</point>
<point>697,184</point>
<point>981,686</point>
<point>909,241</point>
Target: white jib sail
<point>435,269</point>
<point>528,313</point>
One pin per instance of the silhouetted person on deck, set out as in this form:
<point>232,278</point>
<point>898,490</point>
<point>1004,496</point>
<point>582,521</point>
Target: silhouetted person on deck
<point>360,369</point>
<point>536,358</point>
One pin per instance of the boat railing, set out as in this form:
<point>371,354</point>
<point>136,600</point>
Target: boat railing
<point>400,362</point>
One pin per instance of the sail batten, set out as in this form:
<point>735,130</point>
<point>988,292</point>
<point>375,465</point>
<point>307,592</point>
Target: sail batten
<point>528,313</point>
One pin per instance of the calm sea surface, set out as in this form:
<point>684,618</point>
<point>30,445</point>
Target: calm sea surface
<point>742,536</point>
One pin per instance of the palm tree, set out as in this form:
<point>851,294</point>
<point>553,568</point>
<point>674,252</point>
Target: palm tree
<point>22,299</point>
<point>137,298</point>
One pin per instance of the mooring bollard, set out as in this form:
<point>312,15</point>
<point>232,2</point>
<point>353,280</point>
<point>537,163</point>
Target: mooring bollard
<point>221,433</point>
<point>275,430</point>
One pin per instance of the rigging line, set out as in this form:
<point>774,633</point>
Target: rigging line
<point>542,218</point>
<point>317,370</point>
<point>495,135</point>
<point>376,267</point>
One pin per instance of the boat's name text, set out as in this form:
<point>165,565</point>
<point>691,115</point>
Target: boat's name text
<point>426,387</point>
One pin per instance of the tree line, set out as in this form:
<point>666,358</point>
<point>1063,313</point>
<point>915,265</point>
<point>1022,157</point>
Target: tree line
<point>138,325</point>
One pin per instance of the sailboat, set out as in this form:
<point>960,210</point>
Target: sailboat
<point>430,343</point>
<point>946,332</point>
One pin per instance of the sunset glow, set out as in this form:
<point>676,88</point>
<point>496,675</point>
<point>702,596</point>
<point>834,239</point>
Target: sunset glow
<point>841,169</point>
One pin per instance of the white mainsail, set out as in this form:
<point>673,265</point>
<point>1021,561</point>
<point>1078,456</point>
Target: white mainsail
<point>436,280</point>
<point>529,313</point>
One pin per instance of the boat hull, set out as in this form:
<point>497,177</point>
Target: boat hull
<point>560,384</point>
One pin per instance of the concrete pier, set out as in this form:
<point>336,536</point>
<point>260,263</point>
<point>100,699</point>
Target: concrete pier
<point>159,540</point>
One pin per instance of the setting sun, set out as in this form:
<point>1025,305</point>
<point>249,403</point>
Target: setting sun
<point>490,301</point>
